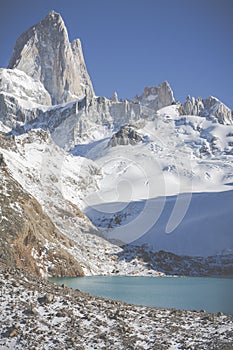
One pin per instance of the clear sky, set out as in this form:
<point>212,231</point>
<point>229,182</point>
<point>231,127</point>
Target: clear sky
<point>130,44</point>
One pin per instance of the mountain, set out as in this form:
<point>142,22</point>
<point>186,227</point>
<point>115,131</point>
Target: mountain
<point>210,107</point>
<point>115,181</point>
<point>44,53</point>
<point>28,237</point>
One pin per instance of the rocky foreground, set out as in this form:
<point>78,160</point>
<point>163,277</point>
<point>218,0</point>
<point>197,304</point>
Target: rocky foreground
<point>37,314</point>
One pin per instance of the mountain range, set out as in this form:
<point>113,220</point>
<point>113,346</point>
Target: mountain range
<point>91,185</point>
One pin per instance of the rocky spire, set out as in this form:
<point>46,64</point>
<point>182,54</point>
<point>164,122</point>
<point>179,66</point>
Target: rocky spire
<point>210,107</point>
<point>45,53</point>
<point>157,97</point>
<point>115,98</point>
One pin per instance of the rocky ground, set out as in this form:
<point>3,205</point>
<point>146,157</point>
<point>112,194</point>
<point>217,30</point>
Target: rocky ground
<point>37,314</point>
<point>171,264</point>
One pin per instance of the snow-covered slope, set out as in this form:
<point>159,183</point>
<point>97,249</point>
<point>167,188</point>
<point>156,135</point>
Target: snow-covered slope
<point>21,98</point>
<point>60,182</point>
<point>23,87</point>
<point>147,194</point>
<point>205,230</point>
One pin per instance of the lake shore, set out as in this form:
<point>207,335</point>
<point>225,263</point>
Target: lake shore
<point>37,314</point>
<point>182,293</point>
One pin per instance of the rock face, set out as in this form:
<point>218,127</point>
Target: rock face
<point>213,107</point>
<point>127,135</point>
<point>109,115</point>
<point>78,121</point>
<point>45,53</point>
<point>157,97</point>
<point>193,106</point>
<point>14,114</point>
<point>210,107</point>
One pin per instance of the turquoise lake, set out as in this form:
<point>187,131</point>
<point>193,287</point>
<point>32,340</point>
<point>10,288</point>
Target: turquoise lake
<point>190,293</point>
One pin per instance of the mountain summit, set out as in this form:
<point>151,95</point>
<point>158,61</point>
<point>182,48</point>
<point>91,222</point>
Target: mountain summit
<point>45,53</point>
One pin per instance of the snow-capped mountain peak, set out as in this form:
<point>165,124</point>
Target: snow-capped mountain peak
<point>45,53</point>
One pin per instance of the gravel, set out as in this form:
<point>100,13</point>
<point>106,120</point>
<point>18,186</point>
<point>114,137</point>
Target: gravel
<point>37,314</point>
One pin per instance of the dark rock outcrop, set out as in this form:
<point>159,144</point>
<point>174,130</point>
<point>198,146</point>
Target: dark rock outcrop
<point>127,135</point>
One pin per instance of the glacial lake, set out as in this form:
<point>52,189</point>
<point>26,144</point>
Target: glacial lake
<point>190,293</point>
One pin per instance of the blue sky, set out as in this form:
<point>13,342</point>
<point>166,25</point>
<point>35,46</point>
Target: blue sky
<point>130,44</point>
